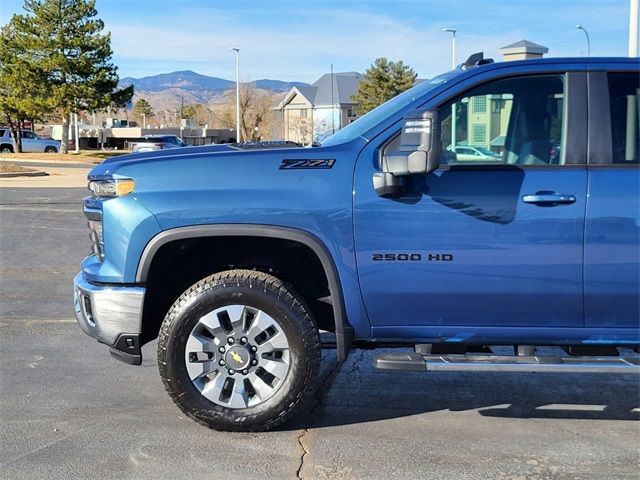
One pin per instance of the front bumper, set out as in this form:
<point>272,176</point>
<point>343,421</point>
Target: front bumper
<point>112,315</point>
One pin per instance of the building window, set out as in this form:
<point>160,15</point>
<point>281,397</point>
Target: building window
<point>479,132</point>
<point>480,104</point>
<point>303,113</point>
<point>351,113</point>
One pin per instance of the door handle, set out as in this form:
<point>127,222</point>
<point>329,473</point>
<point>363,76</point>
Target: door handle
<point>548,198</point>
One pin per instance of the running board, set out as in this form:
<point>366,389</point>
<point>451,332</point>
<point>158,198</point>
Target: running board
<point>507,363</point>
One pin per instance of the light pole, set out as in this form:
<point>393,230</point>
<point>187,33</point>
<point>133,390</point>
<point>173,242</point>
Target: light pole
<point>580,27</point>
<point>454,125</point>
<point>633,27</point>
<point>144,120</point>
<point>453,45</point>
<point>237,50</point>
<point>77,132</point>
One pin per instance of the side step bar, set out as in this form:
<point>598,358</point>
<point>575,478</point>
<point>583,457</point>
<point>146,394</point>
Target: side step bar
<point>507,363</point>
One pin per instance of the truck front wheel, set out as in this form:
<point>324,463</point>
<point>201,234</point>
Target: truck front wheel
<point>239,351</point>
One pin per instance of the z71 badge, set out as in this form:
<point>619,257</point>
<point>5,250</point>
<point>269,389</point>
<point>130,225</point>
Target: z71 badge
<point>292,164</point>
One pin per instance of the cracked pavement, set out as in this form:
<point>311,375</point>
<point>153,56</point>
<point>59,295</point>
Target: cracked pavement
<point>69,411</point>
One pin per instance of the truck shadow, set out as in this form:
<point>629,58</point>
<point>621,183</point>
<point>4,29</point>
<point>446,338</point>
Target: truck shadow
<point>355,392</point>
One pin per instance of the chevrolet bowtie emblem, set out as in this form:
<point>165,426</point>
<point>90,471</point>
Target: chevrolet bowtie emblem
<point>236,356</point>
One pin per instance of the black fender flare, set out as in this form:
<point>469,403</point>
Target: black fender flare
<point>344,331</point>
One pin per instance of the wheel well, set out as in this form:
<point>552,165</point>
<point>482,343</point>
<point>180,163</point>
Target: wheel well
<point>179,264</point>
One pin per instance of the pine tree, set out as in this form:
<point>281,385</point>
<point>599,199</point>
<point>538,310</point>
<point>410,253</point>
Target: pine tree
<point>63,50</point>
<point>381,82</point>
<point>21,97</point>
<point>143,107</point>
<point>193,111</point>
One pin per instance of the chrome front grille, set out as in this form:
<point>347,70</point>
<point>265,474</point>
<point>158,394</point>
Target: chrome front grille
<point>97,238</point>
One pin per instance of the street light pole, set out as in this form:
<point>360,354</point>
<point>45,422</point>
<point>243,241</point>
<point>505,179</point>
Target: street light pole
<point>454,107</point>
<point>453,45</point>
<point>633,28</point>
<point>237,50</point>
<point>77,132</point>
<point>580,27</point>
<point>632,106</point>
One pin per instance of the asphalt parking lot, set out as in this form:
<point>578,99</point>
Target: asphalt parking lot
<point>69,411</point>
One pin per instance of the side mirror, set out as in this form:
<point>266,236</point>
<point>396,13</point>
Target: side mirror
<point>417,154</point>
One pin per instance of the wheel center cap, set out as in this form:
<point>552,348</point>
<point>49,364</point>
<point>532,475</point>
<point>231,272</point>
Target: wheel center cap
<point>237,357</point>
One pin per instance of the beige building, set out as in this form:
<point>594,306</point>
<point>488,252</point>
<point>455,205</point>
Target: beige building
<point>488,118</point>
<point>522,50</point>
<point>308,114</point>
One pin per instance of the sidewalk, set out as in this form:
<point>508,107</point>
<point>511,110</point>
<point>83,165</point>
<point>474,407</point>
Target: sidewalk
<point>64,177</point>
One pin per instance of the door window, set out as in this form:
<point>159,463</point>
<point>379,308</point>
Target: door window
<point>29,135</point>
<point>515,121</point>
<point>624,99</point>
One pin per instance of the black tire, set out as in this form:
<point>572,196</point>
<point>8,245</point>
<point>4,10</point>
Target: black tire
<point>50,150</point>
<point>6,149</point>
<point>261,291</point>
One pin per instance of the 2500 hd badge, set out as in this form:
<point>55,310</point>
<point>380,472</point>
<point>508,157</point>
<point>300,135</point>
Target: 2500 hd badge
<point>411,257</point>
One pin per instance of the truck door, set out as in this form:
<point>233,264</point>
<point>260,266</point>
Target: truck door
<point>612,243</point>
<point>492,242</point>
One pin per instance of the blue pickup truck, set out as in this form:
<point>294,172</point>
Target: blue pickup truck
<point>236,257</point>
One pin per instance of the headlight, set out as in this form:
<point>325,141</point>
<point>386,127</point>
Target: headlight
<point>116,187</point>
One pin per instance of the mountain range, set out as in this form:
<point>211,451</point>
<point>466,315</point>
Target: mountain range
<point>170,90</point>
<point>192,81</point>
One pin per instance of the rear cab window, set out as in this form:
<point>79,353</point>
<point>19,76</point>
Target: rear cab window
<point>624,102</point>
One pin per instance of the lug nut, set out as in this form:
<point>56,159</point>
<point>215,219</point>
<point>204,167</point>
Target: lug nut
<point>254,362</point>
<point>232,372</point>
<point>231,340</point>
<point>221,349</point>
<point>243,340</point>
<point>222,363</point>
<point>254,349</point>
<point>245,371</point>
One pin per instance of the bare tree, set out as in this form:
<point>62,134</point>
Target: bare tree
<point>255,112</point>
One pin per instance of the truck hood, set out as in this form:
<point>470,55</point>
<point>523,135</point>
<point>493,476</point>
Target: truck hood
<point>151,163</point>
<point>162,153</point>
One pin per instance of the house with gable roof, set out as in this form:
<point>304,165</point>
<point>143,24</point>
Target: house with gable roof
<point>308,114</point>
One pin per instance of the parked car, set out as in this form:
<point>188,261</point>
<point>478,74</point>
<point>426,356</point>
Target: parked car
<point>473,154</point>
<point>150,143</point>
<point>30,142</point>
<point>235,259</point>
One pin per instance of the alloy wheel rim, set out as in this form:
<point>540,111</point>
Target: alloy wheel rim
<point>237,356</point>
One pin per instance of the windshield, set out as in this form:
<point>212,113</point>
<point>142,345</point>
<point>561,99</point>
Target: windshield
<point>380,113</point>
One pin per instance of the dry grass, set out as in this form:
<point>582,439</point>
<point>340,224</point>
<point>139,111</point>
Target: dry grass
<point>11,168</point>
<point>85,156</point>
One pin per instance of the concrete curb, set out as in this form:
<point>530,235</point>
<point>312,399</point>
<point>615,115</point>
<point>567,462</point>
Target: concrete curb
<point>49,160</point>
<point>24,174</point>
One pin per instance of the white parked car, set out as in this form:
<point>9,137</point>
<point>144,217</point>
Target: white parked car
<point>149,143</point>
<point>30,143</point>
<point>470,154</point>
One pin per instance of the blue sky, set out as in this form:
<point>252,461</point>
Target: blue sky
<point>298,40</point>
